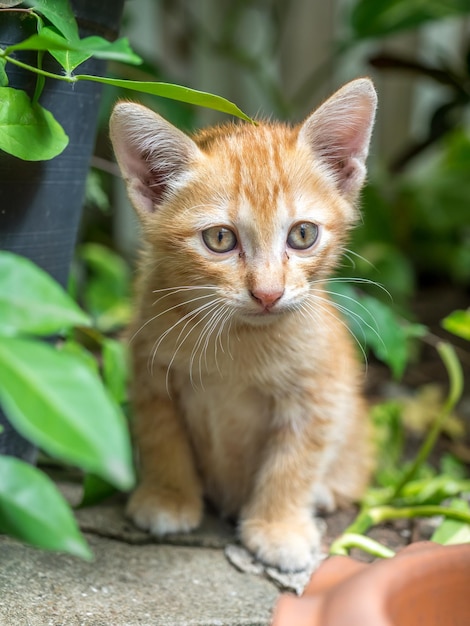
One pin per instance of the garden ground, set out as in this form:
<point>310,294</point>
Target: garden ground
<point>202,579</point>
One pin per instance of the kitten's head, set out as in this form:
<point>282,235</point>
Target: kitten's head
<point>258,213</point>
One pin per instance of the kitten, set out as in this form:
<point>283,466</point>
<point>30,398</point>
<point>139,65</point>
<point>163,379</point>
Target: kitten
<point>246,384</point>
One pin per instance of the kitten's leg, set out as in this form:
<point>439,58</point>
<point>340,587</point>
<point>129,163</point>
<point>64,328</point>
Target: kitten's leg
<point>277,524</point>
<point>349,472</point>
<point>169,496</point>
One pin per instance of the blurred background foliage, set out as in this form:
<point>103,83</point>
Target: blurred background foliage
<point>280,59</point>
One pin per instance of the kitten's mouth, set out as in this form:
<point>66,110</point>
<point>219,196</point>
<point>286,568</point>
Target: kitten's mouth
<point>263,316</point>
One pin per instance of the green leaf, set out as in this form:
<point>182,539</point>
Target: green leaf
<point>115,369</point>
<point>59,13</point>
<point>452,532</point>
<point>451,466</point>
<point>96,194</point>
<point>69,58</point>
<point>95,490</point>
<point>46,40</point>
<point>375,325</point>
<point>174,92</point>
<point>31,302</point>
<point>458,323</point>
<point>433,490</point>
<point>71,54</point>
<point>54,400</point>
<point>27,130</point>
<point>32,510</point>
<point>3,74</point>
<point>376,18</point>
<point>119,50</point>
<point>79,352</point>
<point>107,291</point>
<point>389,439</point>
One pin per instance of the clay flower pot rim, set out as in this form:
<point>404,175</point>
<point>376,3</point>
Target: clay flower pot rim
<point>423,584</point>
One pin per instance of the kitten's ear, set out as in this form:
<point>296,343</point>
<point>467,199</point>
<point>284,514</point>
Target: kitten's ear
<point>339,133</point>
<point>152,154</point>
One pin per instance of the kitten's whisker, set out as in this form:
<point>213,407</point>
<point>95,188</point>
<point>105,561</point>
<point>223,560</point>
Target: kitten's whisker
<point>335,294</point>
<point>350,253</point>
<point>344,311</point>
<point>227,317</point>
<point>355,280</point>
<point>183,288</point>
<point>352,262</point>
<point>180,340</point>
<point>205,336</point>
<point>179,290</point>
<point>229,332</point>
<point>154,317</point>
<point>348,312</point>
<point>186,318</point>
<point>205,332</point>
<point>321,303</point>
<point>219,322</point>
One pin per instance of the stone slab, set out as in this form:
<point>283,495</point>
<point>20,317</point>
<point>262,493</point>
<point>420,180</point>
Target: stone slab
<point>127,585</point>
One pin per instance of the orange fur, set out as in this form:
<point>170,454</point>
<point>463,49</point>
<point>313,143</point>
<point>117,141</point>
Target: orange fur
<point>246,386</point>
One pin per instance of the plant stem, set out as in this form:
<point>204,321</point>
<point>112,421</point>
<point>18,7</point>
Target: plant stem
<point>354,535</point>
<point>36,70</point>
<point>354,540</point>
<point>454,371</point>
<point>381,514</point>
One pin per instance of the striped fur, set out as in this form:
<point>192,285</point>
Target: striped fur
<point>246,385</point>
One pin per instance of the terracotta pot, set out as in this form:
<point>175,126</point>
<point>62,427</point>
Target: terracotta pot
<point>424,584</point>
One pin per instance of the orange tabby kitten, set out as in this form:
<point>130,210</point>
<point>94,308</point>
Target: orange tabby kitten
<point>246,383</point>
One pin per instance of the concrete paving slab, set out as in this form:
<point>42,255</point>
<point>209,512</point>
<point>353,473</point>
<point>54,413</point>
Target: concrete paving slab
<point>127,585</point>
<point>138,580</point>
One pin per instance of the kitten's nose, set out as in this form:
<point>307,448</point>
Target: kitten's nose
<point>267,298</point>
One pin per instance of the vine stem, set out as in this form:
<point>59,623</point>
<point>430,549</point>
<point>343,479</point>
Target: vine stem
<point>455,374</point>
<point>354,537</point>
<point>40,72</point>
<point>385,513</point>
<point>354,540</point>
<point>368,516</point>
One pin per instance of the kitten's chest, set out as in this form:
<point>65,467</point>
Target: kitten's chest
<point>227,425</point>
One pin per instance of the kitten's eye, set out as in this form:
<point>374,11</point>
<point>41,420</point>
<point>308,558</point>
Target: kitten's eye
<point>219,239</point>
<point>302,236</point>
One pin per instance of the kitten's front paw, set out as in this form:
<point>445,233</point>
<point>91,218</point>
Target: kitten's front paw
<point>164,512</point>
<point>288,546</point>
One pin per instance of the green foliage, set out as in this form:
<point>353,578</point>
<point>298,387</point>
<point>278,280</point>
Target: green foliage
<point>53,395</point>
<point>33,304</point>
<point>376,326</point>
<point>32,510</point>
<point>435,199</point>
<point>53,399</point>
<point>413,489</point>
<point>451,531</point>
<point>458,323</point>
<point>378,18</point>
<point>416,209</point>
<point>59,14</point>
<point>28,131</point>
<point>106,288</point>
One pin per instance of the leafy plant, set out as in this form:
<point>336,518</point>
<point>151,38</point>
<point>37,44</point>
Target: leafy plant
<point>30,132</point>
<point>414,208</point>
<point>458,323</point>
<point>53,395</point>
<point>379,18</point>
<point>375,325</point>
<point>413,490</point>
